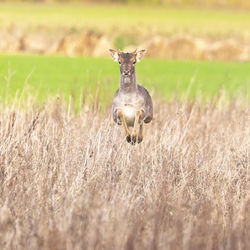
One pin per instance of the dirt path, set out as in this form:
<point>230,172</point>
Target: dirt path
<point>89,43</point>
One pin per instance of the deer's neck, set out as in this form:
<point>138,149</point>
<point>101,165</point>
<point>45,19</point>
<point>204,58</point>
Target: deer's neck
<point>128,84</point>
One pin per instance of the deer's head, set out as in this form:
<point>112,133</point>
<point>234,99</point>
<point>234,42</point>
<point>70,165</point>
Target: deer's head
<point>127,61</point>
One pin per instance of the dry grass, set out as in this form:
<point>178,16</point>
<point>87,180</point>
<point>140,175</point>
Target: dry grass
<point>73,182</point>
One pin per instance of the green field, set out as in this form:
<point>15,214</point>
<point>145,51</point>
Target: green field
<point>119,19</point>
<point>46,76</point>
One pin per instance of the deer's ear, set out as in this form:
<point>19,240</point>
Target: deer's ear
<point>140,54</point>
<point>114,54</point>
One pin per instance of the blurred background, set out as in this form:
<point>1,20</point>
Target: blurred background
<point>202,44</point>
<point>175,29</point>
<point>227,3</point>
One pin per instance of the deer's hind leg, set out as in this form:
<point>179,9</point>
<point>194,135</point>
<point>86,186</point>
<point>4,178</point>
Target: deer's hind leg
<point>121,116</point>
<point>140,135</point>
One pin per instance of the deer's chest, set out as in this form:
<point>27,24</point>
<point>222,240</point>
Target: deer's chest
<point>129,114</point>
<point>129,105</point>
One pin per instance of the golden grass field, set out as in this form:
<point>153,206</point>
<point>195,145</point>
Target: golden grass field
<point>73,182</point>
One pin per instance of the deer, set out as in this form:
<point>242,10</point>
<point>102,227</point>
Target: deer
<point>132,104</point>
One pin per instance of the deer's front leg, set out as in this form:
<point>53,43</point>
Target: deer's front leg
<point>121,116</point>
<point>136,124</point>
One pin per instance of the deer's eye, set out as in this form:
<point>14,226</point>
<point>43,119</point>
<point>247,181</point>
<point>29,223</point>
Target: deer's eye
<point>119,62</point>
<point>134,61</point>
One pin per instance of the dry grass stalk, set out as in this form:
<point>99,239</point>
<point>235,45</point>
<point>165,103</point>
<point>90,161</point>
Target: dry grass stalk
<point>73,182</point>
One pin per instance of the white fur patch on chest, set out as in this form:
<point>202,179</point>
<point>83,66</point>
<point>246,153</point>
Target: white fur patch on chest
<point>129,114</point>
<point>129,111</point>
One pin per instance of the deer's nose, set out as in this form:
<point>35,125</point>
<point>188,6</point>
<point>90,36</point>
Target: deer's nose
<point>126,72</point>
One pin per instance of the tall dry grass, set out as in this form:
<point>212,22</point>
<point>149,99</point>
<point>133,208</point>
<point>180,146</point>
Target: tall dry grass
<point>73,182</point>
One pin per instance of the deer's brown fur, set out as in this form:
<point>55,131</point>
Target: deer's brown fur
<point>132,104</point>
